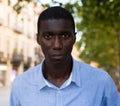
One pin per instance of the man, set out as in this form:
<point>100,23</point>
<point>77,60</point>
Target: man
<point>60,80</point>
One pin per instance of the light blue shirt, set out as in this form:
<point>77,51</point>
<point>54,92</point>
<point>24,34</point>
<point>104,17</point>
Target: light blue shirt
<point>86,86</point>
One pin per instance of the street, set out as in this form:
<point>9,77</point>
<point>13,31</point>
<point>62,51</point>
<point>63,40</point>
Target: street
<point>4,96</point>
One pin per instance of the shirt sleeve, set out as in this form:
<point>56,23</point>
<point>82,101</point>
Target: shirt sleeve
<point>112,96</point>
<point>14,96</point>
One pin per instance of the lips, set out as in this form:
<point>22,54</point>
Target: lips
<point>57,56</point>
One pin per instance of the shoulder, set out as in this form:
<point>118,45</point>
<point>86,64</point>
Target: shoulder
<point>86,68</point>
<point>94,74</point>
<point>27,77</point>
<point>89,75</point>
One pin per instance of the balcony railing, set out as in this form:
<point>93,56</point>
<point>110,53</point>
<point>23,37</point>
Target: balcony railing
<point>29,59</point>
<point>17,57</point>
<point>1,54</point>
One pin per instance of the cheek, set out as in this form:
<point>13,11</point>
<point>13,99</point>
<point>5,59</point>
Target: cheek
<point>45,48</point>
<point>68,45</point>
<point>68,48</point>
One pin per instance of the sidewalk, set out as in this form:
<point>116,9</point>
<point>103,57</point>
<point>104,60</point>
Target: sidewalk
<point>4,96</point>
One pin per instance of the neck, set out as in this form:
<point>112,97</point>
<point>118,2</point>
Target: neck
<point>57,71</point>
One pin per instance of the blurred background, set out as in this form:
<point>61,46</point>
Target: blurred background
<point>97,43</point>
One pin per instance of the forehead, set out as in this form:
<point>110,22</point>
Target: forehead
<point>56,24</point>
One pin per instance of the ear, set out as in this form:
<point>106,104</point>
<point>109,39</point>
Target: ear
<point>38,39</point>
<point>74,37</point>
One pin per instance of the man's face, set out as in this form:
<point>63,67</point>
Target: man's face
<point>56,38</point>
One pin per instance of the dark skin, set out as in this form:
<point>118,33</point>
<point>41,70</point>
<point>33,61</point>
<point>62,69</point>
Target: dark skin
<point>56,38</point>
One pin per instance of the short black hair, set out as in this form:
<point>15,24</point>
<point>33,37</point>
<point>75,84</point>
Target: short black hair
<point>55,12</point>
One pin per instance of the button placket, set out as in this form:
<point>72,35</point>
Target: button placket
<point>59,98</point>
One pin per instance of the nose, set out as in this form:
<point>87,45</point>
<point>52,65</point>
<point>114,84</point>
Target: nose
<point>57,43</point>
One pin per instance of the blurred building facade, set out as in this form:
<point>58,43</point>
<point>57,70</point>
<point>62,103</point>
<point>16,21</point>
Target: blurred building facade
<point>18,48</point>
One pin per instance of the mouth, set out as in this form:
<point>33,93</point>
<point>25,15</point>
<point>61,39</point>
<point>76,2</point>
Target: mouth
<point>57,56</point>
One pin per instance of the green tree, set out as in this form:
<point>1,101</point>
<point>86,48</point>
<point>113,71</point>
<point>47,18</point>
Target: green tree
<point>20,4</point>
<point>101,33</point>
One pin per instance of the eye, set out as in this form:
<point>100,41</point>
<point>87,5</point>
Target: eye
<point>47,36</point>
<point>66,35</point>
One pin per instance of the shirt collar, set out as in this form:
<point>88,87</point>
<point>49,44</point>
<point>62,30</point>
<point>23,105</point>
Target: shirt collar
<point>74,77</point>
<point>41,83</point>
<point>66,83</point>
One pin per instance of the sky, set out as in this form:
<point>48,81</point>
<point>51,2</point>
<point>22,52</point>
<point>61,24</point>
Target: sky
<point>48,1</point>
